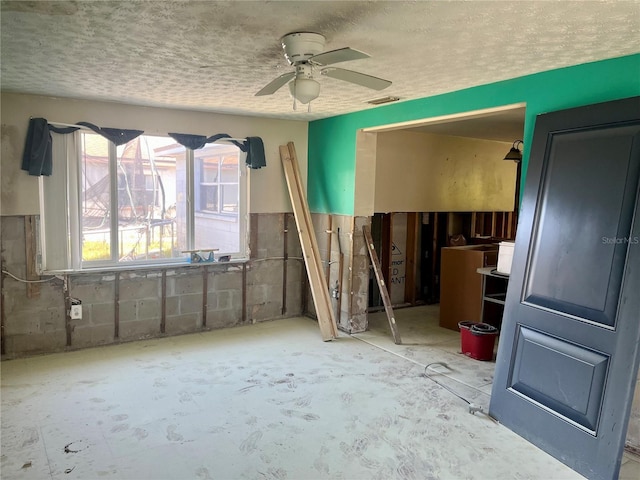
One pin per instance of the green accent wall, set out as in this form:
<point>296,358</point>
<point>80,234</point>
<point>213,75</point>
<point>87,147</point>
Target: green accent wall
<point>332,141</point>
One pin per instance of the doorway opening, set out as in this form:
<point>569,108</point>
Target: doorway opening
<point>439,182</point>
<point>425,286</point>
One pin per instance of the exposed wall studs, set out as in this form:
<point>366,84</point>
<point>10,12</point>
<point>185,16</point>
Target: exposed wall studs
<point>116,307</point>
<point>2,314</point>
<point>205,294</point>
<point>67,309</point>
<point>244,293</point>
<point>285,255</point>
<point>163,315</point>
<point>30,234</point>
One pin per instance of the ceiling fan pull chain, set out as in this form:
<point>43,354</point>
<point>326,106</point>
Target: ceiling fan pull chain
<point>294,96</point>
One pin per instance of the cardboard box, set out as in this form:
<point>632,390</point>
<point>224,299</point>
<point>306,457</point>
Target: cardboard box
<point>505,257</point>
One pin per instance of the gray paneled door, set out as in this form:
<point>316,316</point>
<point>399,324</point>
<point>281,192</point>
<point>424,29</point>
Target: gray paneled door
<point>568,357</point>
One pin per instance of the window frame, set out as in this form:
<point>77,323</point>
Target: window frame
<point>219,184</point>
<point>70,233</point>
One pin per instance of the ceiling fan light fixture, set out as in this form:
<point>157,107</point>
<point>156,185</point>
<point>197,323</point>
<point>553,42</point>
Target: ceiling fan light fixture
<point>304,90</point>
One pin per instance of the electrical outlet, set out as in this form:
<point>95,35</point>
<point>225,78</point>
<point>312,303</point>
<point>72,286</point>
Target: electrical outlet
<point>76,312</point>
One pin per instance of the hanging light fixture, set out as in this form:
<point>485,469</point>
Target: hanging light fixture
<point>304,89</point>
<point>515,154</point>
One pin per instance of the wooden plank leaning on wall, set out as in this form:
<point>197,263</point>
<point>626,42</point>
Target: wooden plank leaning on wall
<point>381,284</point>
<point>317,280</point>
<point>30,235</point>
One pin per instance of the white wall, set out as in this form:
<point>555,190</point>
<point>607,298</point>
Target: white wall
<point>366,144</point>
<point>19,191</point>
<point>422,172</point>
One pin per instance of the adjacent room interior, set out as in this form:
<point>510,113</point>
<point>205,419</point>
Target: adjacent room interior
<point>162,314</point>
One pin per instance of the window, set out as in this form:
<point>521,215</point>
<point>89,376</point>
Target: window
<point>218,190</point>
<point>217,195</point>
<point>147,201</point>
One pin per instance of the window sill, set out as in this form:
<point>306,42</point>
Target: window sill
<point>225,217</point>
<point>141,267</point>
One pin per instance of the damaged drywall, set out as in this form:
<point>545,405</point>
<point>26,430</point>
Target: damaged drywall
<point>127,305</point>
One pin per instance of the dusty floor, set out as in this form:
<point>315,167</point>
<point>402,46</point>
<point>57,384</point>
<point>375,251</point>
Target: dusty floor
<point>270,401</point>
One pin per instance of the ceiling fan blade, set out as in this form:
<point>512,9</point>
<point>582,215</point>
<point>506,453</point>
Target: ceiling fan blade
<point>356,77</point>
<point>275,84</point>
<point>336,56</point>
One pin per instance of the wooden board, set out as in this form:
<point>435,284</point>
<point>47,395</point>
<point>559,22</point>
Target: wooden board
<point>33,289</point>
<point>314,243</point>
<point>383,288</point>
<point>285,258</point>
<point>317,280</point>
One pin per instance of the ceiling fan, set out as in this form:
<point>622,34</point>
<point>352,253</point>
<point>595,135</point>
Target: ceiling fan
<point>304,51</point>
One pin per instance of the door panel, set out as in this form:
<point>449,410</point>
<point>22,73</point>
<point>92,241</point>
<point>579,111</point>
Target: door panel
<point>568,353</point>
<point>566,378</point>
<point>580,188</point>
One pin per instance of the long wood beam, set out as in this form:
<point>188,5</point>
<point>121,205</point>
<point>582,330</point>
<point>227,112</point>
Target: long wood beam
<point>317,280</point>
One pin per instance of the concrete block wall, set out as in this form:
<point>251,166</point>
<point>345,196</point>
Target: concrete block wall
<point>224,297</point>
<point>275,248</point>
<point>127,305</point>
<point>97,293</point>
<point>184,307</point>
<point>40,323</point>
<point>140,304</point>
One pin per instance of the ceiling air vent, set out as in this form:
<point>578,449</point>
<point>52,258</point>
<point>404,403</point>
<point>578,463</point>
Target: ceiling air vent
<point>380,101</point>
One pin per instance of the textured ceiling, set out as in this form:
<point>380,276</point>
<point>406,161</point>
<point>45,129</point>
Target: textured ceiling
<point>214,56</point>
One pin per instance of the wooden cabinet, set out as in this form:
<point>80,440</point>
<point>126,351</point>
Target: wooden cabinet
<point>460,283</point>
<point>494,294</point>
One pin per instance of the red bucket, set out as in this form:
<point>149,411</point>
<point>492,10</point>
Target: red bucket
<point>477,340</point>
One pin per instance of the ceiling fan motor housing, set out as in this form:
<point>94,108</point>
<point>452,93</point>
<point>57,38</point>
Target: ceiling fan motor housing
<point>304,70</point>
<point>300,46</point>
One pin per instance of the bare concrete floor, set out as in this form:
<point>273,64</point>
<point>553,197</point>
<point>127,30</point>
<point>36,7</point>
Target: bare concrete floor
<point>423,342</point>
<point>270,401</point>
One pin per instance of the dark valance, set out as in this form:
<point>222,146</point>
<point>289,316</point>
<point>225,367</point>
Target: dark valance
<point>253,146</point>
<point>115,135</point>
<point>194,142</point>
<point>37,159</point>
<point>255,153</point>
